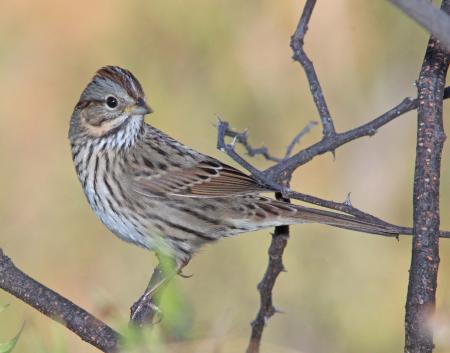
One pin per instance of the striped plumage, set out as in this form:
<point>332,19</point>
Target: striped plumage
<point>151,190</point>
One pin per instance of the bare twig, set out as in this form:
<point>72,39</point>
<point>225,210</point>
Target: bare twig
<point>297,42</point>
<point>420,303</point>
<point>298,137</point>
<point>435,21</point>
<point>56,307</point>
<point>242,138</point>
<point>223,130</point>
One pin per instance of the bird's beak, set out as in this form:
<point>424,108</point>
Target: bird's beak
<point>141,108</point>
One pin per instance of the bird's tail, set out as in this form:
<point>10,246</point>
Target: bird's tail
<point>291,214</point>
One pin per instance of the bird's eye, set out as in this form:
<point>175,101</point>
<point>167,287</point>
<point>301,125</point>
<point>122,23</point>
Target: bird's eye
<point>111,102</point>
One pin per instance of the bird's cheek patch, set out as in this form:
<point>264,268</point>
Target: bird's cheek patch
<point>101,125</point>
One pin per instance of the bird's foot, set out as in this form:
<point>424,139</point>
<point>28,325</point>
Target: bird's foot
<point>144,311</point>
<point>285,192</point>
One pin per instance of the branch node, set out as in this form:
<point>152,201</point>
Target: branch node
<point>278,311</point>
<point>372,132</point>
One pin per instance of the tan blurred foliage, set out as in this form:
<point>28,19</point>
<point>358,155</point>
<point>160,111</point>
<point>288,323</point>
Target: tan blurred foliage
<point>344,292</point>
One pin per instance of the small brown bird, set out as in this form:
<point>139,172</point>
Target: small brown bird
<point>153,191</point>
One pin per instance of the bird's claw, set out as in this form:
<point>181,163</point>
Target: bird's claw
<point>182,275</point>
<point>144,311</point>
<point>285,191</point>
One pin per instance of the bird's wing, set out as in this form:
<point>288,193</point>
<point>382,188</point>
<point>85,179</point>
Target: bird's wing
<point>205,179</point>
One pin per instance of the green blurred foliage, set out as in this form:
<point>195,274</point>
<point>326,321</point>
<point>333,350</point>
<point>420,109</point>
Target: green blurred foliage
<point>344,292</point>
<point>8,346</point>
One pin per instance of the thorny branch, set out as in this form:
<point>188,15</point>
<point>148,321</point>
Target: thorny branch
<point>271,176</point>
<point>278,176</point>
<point>274,268</point>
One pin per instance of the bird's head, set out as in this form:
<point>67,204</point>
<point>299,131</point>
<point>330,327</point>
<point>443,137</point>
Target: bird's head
<point>112,102</point>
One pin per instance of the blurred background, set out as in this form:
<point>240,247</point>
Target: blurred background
<point>343,292</point>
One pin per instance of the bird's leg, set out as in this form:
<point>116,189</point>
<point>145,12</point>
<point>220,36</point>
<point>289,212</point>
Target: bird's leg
<point>144,310</point>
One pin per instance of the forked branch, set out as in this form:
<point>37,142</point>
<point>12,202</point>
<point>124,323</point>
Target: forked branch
<point>278,176</point>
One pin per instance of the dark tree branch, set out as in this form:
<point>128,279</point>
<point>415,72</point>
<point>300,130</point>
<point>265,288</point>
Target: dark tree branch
<point>56,307</point>
<point>435,21</point>
<point>420,303</point>
<point>274,268</point>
